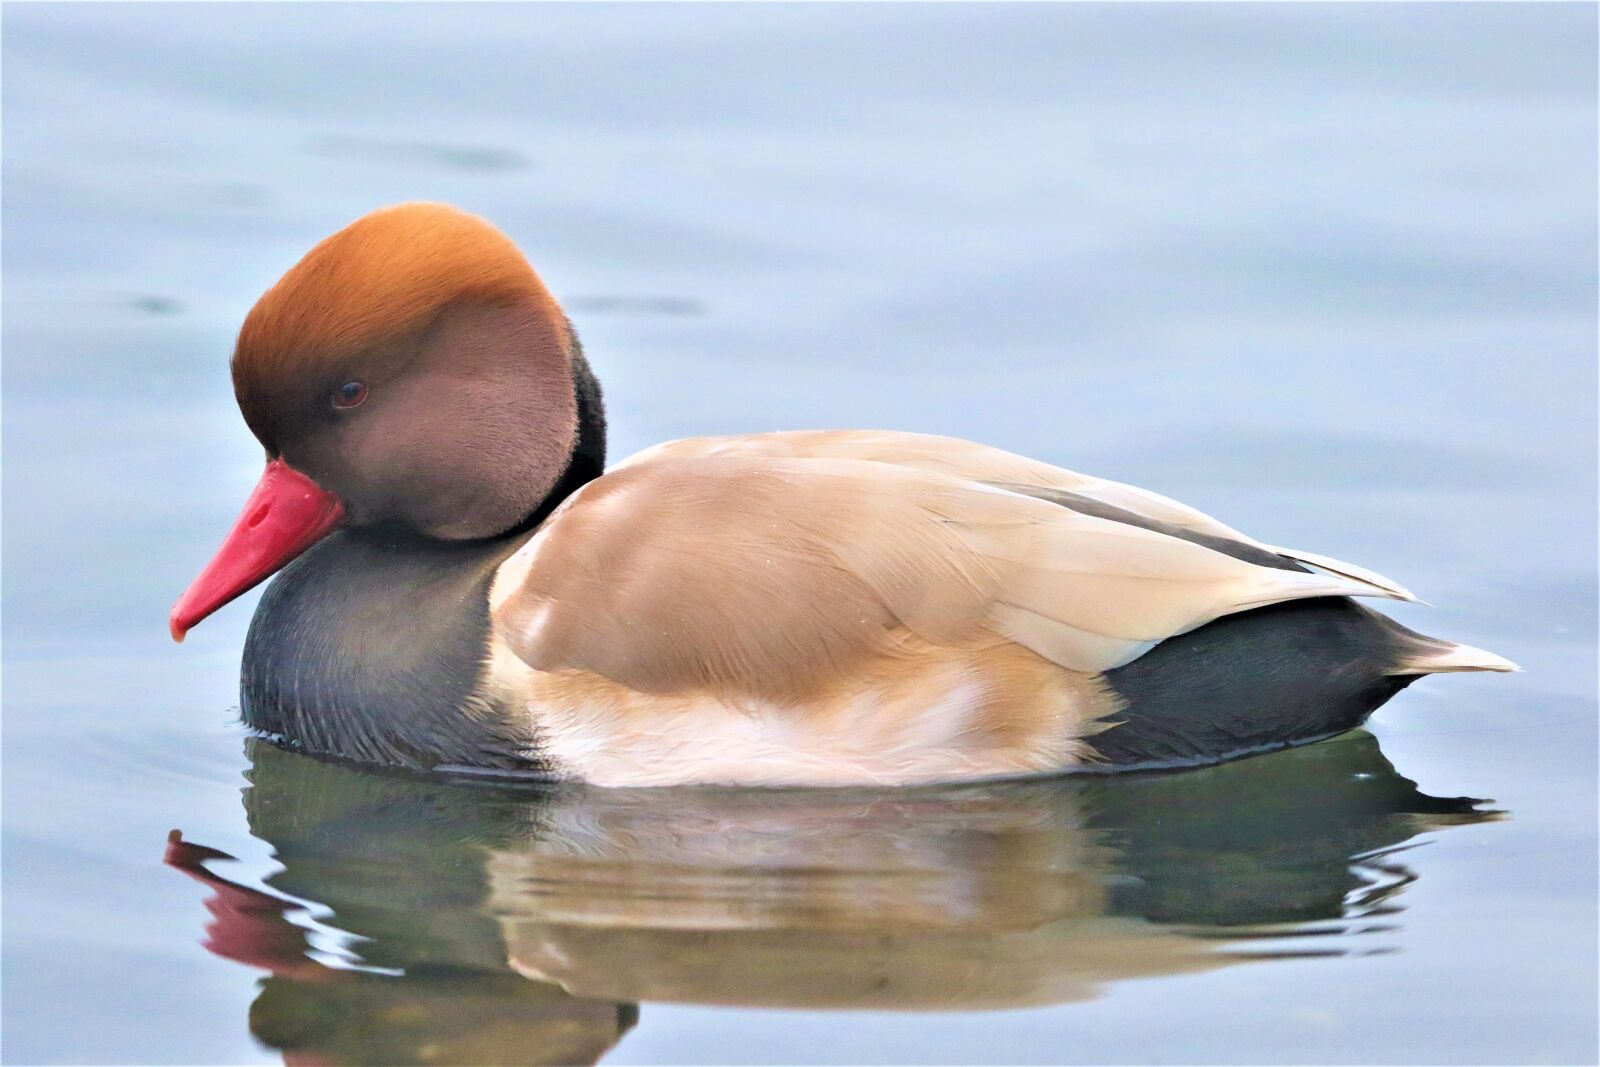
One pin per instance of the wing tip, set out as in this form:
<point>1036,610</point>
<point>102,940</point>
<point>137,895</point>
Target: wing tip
<point>1388,588</point>
<point>1297,585</point>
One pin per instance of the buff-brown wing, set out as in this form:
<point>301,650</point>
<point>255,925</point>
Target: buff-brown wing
<point>774,576</point>
<point>982,463</point>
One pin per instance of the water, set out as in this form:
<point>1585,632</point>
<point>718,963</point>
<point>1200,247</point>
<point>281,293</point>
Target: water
<point>1326,272</point>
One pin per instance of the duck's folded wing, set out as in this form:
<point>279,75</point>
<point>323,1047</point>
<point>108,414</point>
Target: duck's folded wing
<point>981,463</point>
<point>767,576</point>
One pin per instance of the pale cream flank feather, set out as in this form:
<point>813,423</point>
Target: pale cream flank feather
<point>729,616</point>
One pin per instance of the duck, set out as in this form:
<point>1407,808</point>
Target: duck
<point>460,585</point>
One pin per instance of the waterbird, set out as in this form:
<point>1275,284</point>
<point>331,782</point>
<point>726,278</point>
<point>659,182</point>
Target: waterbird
<point>462,586</point>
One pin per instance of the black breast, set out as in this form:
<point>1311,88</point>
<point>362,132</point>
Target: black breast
<point>371,647</point>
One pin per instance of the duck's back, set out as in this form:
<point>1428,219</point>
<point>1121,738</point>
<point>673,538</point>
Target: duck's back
<point>821,608</point>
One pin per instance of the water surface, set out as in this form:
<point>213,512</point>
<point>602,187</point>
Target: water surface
<point>1325,272</point>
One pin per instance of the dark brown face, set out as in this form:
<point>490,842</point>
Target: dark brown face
<point>456,429</point>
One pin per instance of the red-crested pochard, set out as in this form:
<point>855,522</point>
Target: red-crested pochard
<point>463,587</point>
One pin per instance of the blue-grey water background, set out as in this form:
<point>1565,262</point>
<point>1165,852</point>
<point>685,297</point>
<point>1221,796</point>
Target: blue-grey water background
<point>1328,272</point>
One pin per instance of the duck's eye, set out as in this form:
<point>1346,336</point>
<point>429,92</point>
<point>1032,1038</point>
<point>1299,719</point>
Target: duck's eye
<point>349,394</point>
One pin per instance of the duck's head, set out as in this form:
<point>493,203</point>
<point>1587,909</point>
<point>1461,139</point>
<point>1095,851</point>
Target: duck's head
<point>412,370</point>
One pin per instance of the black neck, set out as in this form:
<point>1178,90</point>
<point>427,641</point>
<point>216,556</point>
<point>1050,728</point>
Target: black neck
<point>588,459</point>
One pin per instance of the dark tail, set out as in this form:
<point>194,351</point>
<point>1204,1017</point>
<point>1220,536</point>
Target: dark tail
<point>1267,679</point>
<point>1264,679</point>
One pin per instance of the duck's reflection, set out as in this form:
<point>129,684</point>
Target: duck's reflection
<point>493,924</point>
